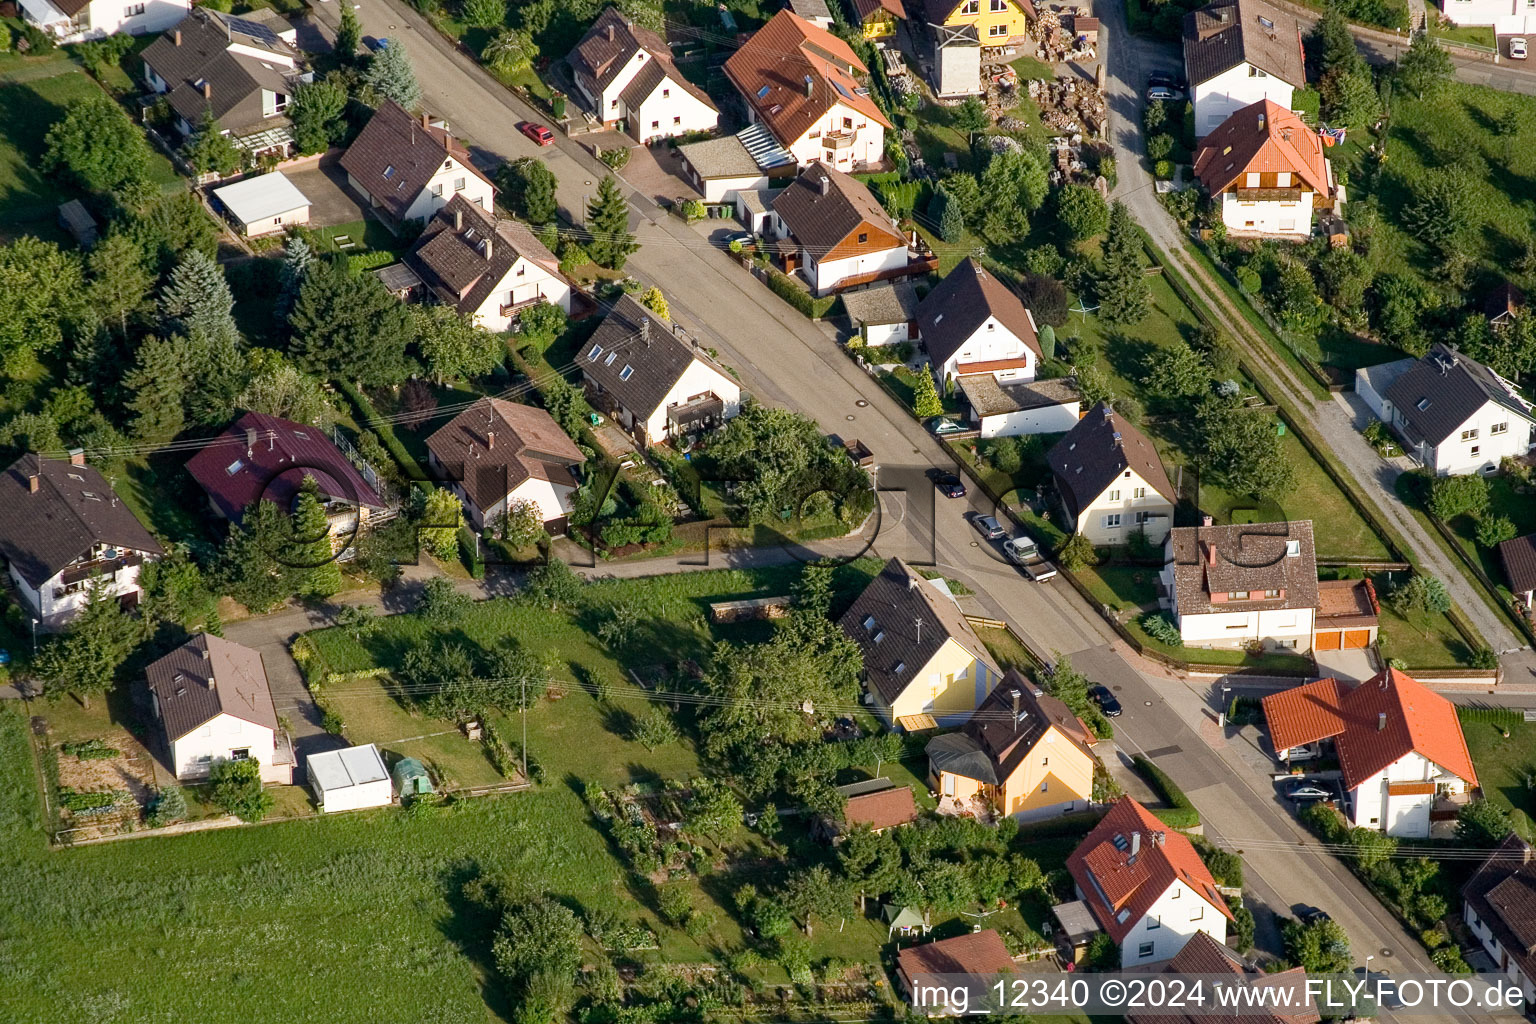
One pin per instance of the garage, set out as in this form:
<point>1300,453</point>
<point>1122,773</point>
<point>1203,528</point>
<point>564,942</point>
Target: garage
<point>1328,640</point>
<point>1356,639</point>
<point>346,780</point>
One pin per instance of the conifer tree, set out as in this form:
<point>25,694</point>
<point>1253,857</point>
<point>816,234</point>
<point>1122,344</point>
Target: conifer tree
<point>608,223</point>
<point>312,559</point>
<point>1122,289</point>
<point>392,76</point>
<point>157,387</point>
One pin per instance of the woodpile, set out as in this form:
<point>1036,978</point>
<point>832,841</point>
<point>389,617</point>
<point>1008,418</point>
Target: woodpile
<point>1069,105</point>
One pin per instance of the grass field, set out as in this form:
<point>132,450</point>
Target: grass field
<point>1505,767</point>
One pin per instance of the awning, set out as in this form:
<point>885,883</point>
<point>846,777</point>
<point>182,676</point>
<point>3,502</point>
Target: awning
<point>917,723</point>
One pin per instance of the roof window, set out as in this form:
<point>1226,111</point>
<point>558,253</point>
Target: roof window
<point>762,92</point>
<point>90,495</point>
<point>234,467</point>
<point>1266,22</point>
<point>627,372</point>
<point>879,636</point>
<point>389,172</point>
<point>901,667</point>
<point>301,435</point>
<point>1423,403</point>
<point>610,359</point>
<point>597,350</point>
<point>77,476</point>
<point>869,622</point>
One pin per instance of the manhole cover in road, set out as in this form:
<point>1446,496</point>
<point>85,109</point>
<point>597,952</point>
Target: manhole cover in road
<point>1147,703</point>
<point>849,417</point>
<point>1117,689</point>
<point>861,403</point>
<point>1385,952</point>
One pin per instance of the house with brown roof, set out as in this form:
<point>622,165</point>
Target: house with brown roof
<point>1519,558</point>
<point>1238,52</point>
<point>842,234</point>
<point>1503,304</point>
<point>1348,615</point>
<point>922,660</point>
<point>976,954</point>
<point>489,268</point>
<point>1499,905</point>
<point>878,803</point>
<point>408,167</point>
<point>802,82</point>
<point>1110,480</point>
<point>972,324</point>
<point>1267,171</point>
<point>1146,886</point>
<point>625,73</point>
<point>1285,991</point>
<point>497,452</point>
<point>1231,586</point>
<point>1401,751</point>
<point>1023,753</point>
<point>877,18</point>
<point>63,528</point>
<point>212,701</point>
<point>74,21</point>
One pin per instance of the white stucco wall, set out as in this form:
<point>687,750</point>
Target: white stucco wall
<point>1050,419</point>
<point>991,340</point>
<point>1372,807</point>
<point>1131,498</point>
<point>1484,449</point>
<point>1495,950</point>
<point>826,275</point>
<point>886,334</point>
<point>54,610</point>
<point>1287,627</point>
<point>525,280</point>
<point>106,17</point>
<point>217,740</point>
<point>868,145</point>
<point>1177,916</point>
<point>1218,98</point>
<point>719,190</point>
<point>696,380</point>
<point>446,181</point>
<point>1282,219</point>
<point>672,110</point>
<point>1483,12</point>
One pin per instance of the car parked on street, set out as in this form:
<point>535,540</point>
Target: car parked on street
<point>1300,790</point>
<point>942,426</point>
<point>1307,915</point>
<point>950,485</point>
<point>1106,701</point>
<point>537,132</point>
<point>988,527</point>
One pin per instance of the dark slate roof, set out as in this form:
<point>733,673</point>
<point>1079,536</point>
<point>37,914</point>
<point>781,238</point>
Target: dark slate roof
<point>656,360</point>
<point>1222,35</point>
<point>1099,449</point>
<point>1002,732</point>
<point>452,261</point>
<point>1252,557</point>
<point>1440,392</point>
<point>208,676</point>
<point>203,56</point>
<point>73,510</point>
<point>411,152</point>
<point>895,648</point>
<point>261,457</point>
<point>612,42</point>
<point>495,445</point>
<point>1519,557</point>
<point>823,206</point>
<point>961,303</point>
<point>1503,895</point>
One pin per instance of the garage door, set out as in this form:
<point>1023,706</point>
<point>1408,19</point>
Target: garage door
<point>1327,640</point>
<point>1354,639</point>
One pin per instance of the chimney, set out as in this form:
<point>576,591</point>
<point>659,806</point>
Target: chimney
<point>207,89</point>
<point>610,31</point>
<point>487,250</point>
<point>1017,700</point>
<point>1381,720</point>
<point>1206,521</point>
<point>250,440</point>
<point>426,121</point>
<point>645,331</point>
<point>1210,553</point>
<point>77,456</point>
<point>176,37</point>
<point>490,439</point>
<point>34,478</point>
<point>826,184</point>
<point>1135,847</point>
<point>458,220</point>
<point>207,654</point>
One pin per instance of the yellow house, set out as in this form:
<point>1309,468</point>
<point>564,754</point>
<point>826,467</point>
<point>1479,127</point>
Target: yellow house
<point>998,22</point>
<point>1024,753</point>
<point>878,18</point>
<point>920,655</point>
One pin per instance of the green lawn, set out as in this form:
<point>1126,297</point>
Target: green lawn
<point>1122,587</point>
<point>1477,35</point>
<point>1505,767</point>
<point>1006,649</point>
<point>1504,499</point>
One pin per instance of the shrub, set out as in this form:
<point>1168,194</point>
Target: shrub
<point>1157,626</point>
<point>1163,170</point>
<point>1324,821</point>
<point>170,805</point>
<point>1165,787</point>
<point>237,788</point>
<point>1450,960</point>
<point>675,902</point>
<point>1242,925</point>
<point>1494,530</point>
<point>1077,554</point>
<point>1159,146</point>
<point>1451,496</point>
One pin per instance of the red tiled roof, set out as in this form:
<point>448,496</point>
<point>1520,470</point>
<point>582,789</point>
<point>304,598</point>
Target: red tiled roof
<point>1204,955</point>
<point>882,810</point>
<point>980,952</point>
<point>1380,721</point>
<point>1120,889</point>
<point>1262,137</point>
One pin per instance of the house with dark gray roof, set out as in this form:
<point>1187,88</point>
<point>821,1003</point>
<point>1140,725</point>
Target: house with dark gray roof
<point>842,234</point>
<point>625,73</point>
<point>1238,52</point>
<point>1519,558</point>
<point>972,323</point>
<point>213,703</point>
<point>408,168</point>
<point>242,71</point>
<point>1499,905</point>
<point>1110,480</point>
<point>923,663</point>
<point>1230,586</point>
<point>487,267</point>
<point>639,371</point>
<point>63,529</point>
<point>1454,415</point>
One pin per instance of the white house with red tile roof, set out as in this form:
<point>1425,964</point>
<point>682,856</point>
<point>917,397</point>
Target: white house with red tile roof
<point>1400,747</point>
<point>1266,170</point>
<point>1146,886</point>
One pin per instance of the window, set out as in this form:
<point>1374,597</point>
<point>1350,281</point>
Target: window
<point>610,359</point>
<point>234,467</point>
<point>869,622</point>
<point>1177,892</point>
<point>627,372</point>
<point>1254,72</point>
<point>437,191</point>
<point>1475,451</point>
<point>1497,429</point>
<point>1145,949</point>
<point>815,135</point>
<point>1238,595</point>
<point>1138,492</point>
<point>1114,495</point>
<point>1112,521</point>
<point>1154,922</point>
<point>1271,593</point>
<point>665,93</point>
<point>597,350</point>
<point>1469,435</point>
<point>1199,914</point>
<point>863,237</point>
<point>389,172</point>
<point>1285,643</point>
<point>971,7</point>
<point>1142,518</point>
<point>1288,224</point>
<point>998,6</point>
<point>762,92</point>
<point>847,124</point>
<point>458,184</point>
<point>243,754</point>
<point>676,121</point>
<point>1045,787</point>
<point>1423,403</point>
<point>613,104</point>
<point>655,124</point>
<point>133,10</point>
<point>997,30</point>
<point>1045,762</point>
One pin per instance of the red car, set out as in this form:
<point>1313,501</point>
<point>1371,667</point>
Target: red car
<point>537,132</point>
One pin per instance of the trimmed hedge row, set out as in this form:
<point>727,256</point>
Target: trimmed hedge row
<point>1180,813</point>
<point>785,288</point>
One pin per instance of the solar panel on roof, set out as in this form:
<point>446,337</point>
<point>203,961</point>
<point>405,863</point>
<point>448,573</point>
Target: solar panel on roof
<point>255,30</point>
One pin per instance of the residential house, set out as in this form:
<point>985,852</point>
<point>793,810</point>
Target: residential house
<point>1267,170</point>
<point>408,168</point>
<point>1146,886</point>
<point>625,73</point>
<point>1499,905</point>
<point>800,81</point>
<point>979,954</point>
<point>1400,747</point>
<point>240,70</point>
<point>1202,955</point>
<point>1238,52</point>
<point>1503,304</point>
<point>749,161</point>
<point>1347,615</point>
<point>1024,753</point>
<point>267,458</point>
<point>74,21</point>
<point>814,11</point>
<point>1111,480</point>
<point>497,452</point>
<point>996,22</point>
<point>349,779</point>
<point>487,267</point>
<point>263,204</point>
<point>1232,586</point>
<point>885,313</point>
<point>212,701</point>
<point>1519,558</point>
<point>973,324</point>
<point>843,235</point>
<point>1508,17</point>
<point>653,383</point>
<point>922,659</point>
<point>1016,408</point>
<point>61,528</point>
<point>877,18</point>
<point>879,803</point>
<point>1454,414</point>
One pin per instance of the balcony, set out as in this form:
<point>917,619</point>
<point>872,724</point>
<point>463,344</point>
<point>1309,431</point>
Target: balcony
<point>514,308</point>
<point>99,566</point>
<point>839,140</point>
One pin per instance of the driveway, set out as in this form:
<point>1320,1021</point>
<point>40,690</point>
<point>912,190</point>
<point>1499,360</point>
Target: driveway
<point>330,201</point>
<point>1349,666</point>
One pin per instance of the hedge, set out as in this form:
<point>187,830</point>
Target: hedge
<point>785,288</point>
<point>469,554</point>
<point>368,417</point>
<point>1504,718</point>
<point>1180,813</point>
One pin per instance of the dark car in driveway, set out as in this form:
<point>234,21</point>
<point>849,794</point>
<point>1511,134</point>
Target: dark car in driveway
<point>988,527</point>
<point>950,485</point>
<point>1106,701</point>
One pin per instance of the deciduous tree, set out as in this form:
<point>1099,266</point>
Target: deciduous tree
<point>1081,212</point>
<point>274,386</point>
<point>1424,68</point>
<point>209,150</point>
<point>453,346</point>
<point>318,111</point>
<point>521,523</point>
<point>509,52</point>
<point>40,292</point>
<point>237,788</point>
<point>97,146</point>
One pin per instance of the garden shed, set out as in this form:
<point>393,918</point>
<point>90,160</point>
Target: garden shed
<point>349,779</point>
<point>411,778</point>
